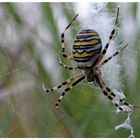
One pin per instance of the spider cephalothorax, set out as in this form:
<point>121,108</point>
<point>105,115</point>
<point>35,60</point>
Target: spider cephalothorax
<point>88,54</point>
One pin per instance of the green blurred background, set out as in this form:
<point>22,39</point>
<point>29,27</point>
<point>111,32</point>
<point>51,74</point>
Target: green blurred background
<point>29,49</point>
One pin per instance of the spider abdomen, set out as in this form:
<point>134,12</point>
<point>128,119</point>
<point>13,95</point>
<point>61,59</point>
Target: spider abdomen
<point>87,48</point>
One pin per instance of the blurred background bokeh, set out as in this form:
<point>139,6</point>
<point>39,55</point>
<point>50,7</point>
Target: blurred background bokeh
<point>29,50</point>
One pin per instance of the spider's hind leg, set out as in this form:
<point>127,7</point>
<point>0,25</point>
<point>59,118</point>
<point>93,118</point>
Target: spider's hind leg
<point>62,40</point>
<point>110,37</point>
<point>66,66</point>
<point>109,58</point>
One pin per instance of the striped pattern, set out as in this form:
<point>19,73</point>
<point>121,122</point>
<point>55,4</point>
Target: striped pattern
<point>109,93</point>
<point>67,67</point>
<point>86,48</point>
<point>66,82</point>
<point>87,53</point>
<point>109,58</point>
<point>110,38</point>
<point>66,90</point>
<point>62,40</point>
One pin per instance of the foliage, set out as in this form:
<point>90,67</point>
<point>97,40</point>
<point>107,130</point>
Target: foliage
<point>30,46</point>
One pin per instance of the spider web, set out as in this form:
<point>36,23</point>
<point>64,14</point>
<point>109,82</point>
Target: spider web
<point>30,45</point>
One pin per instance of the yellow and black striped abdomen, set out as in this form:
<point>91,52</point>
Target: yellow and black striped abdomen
<point>86,48</point>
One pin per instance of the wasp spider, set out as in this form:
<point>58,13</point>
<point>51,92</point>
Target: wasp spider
<point>88,54</point>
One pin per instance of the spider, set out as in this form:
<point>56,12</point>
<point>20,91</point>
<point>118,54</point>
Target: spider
<point>88,54</point>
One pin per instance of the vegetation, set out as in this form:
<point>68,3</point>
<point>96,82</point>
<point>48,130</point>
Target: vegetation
<point>30,46</point>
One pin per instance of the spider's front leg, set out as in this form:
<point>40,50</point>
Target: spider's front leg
<point>77,80</point>
<point>66,82</point>
<point>109,93</point>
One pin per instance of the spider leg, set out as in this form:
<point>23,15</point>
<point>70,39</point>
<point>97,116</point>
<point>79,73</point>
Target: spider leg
<point>66,66</point>
<point>66,90</point>
<point>109,93</point>
<point>68,81</point>
<point>110,38</point>
<point>109,58</point>
<point>62,41</point>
